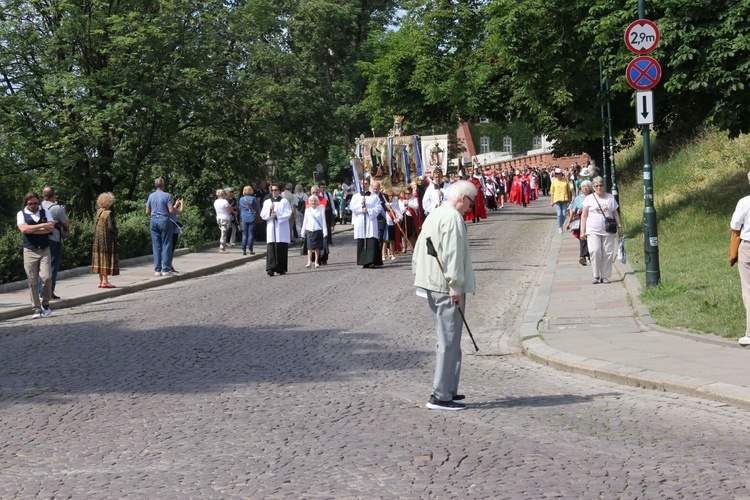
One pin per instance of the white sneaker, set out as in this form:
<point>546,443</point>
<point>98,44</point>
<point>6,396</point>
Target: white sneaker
<point>157,273</point>
<point>167,273</point>
<point>36,316</point>
<point>559,230</point>
<point>744,341</point>
<point>46,311</point>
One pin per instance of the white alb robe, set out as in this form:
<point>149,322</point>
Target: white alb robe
<point>277,230</point>
<point>374,208</point>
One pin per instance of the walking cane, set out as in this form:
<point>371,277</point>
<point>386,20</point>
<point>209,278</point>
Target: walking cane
<point>431,251</point>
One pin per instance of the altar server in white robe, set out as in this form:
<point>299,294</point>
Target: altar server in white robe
<point>366,207</point>
<point>436,193</point>
<point>276,212</point>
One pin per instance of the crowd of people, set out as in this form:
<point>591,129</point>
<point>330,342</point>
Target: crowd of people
<point>385,222</point>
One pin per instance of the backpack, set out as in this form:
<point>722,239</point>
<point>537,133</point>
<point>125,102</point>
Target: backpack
<point>64,231</point>
<point>301,205</point>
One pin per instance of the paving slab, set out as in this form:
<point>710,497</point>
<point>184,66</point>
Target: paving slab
<point>605,332</point>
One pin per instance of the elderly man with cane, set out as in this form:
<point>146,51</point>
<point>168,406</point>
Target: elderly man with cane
<point>444,273</point>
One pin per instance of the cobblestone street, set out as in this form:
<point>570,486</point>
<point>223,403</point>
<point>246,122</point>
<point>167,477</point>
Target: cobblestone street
<point>313,384</point>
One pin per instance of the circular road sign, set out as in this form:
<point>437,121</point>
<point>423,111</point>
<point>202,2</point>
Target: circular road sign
<point>642,36</point>
<point>643,73</point>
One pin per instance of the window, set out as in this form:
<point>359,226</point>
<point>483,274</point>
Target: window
<point>507,144</point>
<point>484,120</point>
<point>537,142</point>
<point>484,144</point>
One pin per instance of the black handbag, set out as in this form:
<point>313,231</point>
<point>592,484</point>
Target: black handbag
<point>610,223</point>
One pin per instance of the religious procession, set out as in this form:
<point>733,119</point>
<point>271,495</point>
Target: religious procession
<point>397,182</point>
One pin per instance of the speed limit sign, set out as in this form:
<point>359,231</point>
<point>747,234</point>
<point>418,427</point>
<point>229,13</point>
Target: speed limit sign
<point>642,36</point>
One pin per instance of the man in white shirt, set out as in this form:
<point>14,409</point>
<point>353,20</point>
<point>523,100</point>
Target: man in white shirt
<point>61,220</point>
<point>740,226</point>
<point>35,224</point>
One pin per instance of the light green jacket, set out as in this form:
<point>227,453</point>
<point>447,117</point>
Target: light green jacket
<point>447,230</point>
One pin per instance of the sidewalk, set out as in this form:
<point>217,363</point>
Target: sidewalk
<point>594,330</point>
<point>78,286</point>
<point>571,325</point>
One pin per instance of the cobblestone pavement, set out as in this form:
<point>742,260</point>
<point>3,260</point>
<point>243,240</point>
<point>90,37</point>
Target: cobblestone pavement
<point>313,384</point>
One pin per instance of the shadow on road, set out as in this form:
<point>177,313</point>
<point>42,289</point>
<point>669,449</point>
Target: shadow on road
<point>51,366</point>
<point>539,401</point>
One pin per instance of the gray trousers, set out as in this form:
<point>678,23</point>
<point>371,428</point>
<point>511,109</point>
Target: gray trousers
<point>36,263</point>
<point>448,327</point>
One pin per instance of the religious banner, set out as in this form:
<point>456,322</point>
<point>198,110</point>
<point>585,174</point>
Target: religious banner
<point>398,160</point>
<point>386,159</point>
<point>435,153</point>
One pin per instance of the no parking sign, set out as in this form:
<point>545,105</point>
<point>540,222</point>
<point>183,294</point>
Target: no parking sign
<point>643,73</point>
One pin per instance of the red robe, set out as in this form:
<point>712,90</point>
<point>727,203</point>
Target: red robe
<point>480,209</point>
<point>515,190</point>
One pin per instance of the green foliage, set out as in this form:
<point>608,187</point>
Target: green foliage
<point>696,189</point>
<point>423,70</point>
<point>539,62</point>
<point>11,256</point>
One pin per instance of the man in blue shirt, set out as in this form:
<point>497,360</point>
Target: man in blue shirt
<point>159,206</point>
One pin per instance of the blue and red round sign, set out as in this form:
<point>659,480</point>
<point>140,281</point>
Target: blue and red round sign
<point>643,73</point>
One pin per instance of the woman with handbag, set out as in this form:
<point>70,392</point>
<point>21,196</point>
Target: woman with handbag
<point>575,210</point>
<point>600,220</point>
<point>249,216</point>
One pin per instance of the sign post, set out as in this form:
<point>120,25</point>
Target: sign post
<point>643,73</point>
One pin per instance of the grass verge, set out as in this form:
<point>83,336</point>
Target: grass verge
<point>696,188</point>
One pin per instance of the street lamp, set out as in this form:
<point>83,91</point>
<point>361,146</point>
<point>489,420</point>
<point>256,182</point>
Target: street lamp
<point>270,167</point>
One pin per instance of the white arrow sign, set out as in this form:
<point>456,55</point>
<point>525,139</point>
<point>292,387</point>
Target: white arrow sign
<point>644,104</point>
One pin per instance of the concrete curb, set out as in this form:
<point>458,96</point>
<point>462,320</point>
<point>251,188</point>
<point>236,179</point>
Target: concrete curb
<point>537,350</point>
<point>19,312</point>
<point>80,271</point>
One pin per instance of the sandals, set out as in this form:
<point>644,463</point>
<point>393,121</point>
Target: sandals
<point>106,285</point>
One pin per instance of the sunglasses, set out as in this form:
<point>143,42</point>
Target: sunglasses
<point>471,202</point>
